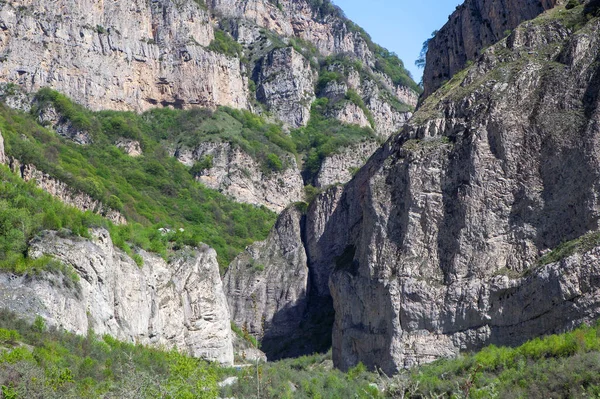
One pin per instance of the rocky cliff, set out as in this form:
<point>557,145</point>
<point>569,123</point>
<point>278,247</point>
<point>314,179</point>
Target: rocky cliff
<point>267,285</point>
<point>233,172</point>
<point>442,242</point>
<point>137,55</point>
<point>118,55</point>
<point>178,304</point>
<point>474,25</point>
<point>496,169</point>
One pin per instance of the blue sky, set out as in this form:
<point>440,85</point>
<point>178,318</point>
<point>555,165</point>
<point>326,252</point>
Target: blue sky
<point>400,26</point>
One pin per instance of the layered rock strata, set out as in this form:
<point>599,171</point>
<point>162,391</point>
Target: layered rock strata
<point>126,55</point>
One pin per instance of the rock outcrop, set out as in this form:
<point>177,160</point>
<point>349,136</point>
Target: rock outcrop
<point>494,170</point>
<point>130,147</point>
<point>267,285</point>
<point>3,159</point>
<point>286,85</point>
<point>236,173</point>
<point>126,55</point>
<point>64,193</point>
<point>340,167</point>
<point>474,25</point>
<point>178,304</point>
<point>328,33</point>
<point>50,117</point>
<point>435,246</point>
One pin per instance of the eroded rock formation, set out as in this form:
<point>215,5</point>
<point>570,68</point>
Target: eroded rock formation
<point>178,304</point>
<point>474,25</point>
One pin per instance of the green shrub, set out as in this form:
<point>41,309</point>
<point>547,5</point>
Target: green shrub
<point>204,164</point>
<point>152,191</point>
<point>137,258</point>
<point>223,43</point>
<point>9,336</point>
<point>274,163</point>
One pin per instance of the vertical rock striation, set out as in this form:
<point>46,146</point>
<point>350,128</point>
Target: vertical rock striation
<point>474,25</point>
<point>125,55</point>
<point>286,85</point>
<point>436,242</point>
<point>179,304</point>
<point>267,286</point>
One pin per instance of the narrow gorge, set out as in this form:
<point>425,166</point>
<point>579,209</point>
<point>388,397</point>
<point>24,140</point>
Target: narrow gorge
<point>214,177</point>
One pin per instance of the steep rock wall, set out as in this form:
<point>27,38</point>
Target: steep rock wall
<point>286,85</point>
<point>267,285</point>
<point>178,304</point>
<point>330,35</point>
<point>235,173</point>
<point>428,240</point>
<point>474,25</point>
<point>124,55</point>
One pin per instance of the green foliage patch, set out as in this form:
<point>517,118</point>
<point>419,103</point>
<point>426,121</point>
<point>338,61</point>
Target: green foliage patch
<point>152,191</point>
<point>323,137</point>
<point>59,365</point>
<point>556,366</point>
<point>582,244</point>
<point>225,44</point>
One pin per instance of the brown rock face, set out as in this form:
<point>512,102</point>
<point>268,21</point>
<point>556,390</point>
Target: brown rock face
<point>474,25</point>
<point>122,55</point>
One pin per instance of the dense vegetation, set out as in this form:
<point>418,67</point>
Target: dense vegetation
<point>37,362</point>
<point>557,366</point>
<point>26,210</point>
<point>324,136</point>
<point>152,191</point>
<point>41,362</point>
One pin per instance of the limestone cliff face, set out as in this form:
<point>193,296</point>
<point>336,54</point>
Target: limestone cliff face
<point>340,167</point>
<point>494,170</point>
<point>178,304</point>
<point>330,35</point>
<point>267,285</point>
<point>286,85</point>
<point>236,173</point>
<point>434,246</point>
<point>474,25</point>
<point>124,55</point>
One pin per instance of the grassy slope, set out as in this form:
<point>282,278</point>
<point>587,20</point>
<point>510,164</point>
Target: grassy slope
<point>37,362</point>
<point>152,191</point>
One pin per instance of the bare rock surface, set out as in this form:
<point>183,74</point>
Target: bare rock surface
<point>340,167</point>
<point>474,25</point>
<point>130,147</point>
<point>267,285</point>
<point>179,304</point>
<point>3,159</point>
<point>286,85</point>
<point>236,173</point>
<point>124,55</point>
